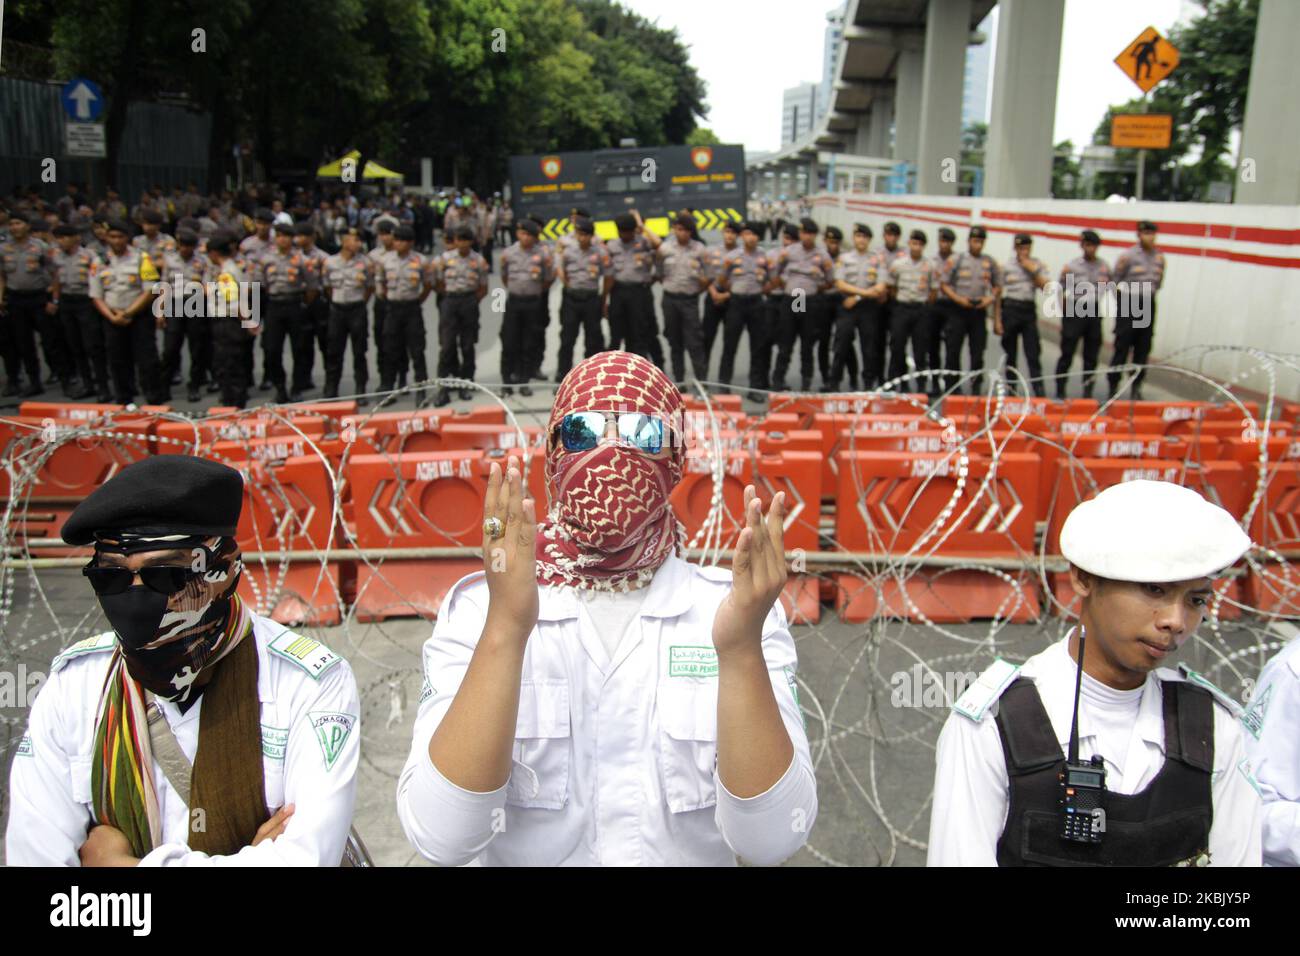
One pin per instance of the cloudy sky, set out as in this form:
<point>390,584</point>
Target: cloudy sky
<point>749,52</point>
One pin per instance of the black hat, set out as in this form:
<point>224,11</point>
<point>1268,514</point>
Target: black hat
<point>303,228</point>
<point>580,213</point>
<point>684,219</point>
<point>946,233</point>
<point>862,229</point>
<point>834,232</point>
<point>384,226</point>
<point>530,227</point>
<point>807,225</point>
<point>264,215</point>
<point>1089,236</point>
<point>350,231</point>
<point>17,216</point>
<point>894,228</point>
<point>187,237</point>
<point>584,225</point>
<point>166,494</point>
<point>462,232</point>
<point>1024,239</point>
<point>625,222</point>
<point>119,225</point>
<point>223,240</point>
<point>978,232</point>
<point>791,230</point>
<point>917,234</point>
<point>732,225</point>
<point>749,225</point>
<point>151,216</point>
<point>283,229</point>
<point>404,233</point>
<point>63,229</point>
<point>1146,225</point>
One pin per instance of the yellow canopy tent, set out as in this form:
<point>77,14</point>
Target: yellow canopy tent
<point>373,170</point>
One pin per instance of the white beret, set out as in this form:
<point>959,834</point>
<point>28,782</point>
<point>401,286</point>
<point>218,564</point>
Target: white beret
<point>1151,531</point>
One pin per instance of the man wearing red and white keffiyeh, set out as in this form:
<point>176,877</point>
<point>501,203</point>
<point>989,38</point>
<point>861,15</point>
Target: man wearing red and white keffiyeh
<point>591,698</point>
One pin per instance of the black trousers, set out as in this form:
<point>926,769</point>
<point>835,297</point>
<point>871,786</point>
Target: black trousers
<point>404,330</point>
<point>347,322</point>
<point>715,316</point>
<point>197,331</point>
<point>1020,322</point>
<point>381,309</point>
<point>760,353</point>
<point>286,319</point>
<point>907,323</point>
<point>969,326</point>
<point>317,316</point>
<point>579,309</point>
<point>685,334</point>
<point>535,338</point>
<point>522,316</point>
<point>934,321</point>
<point>232,360</point>
<point>457,334</point>
<point>744,314</point>
<point>828,304</point>
<point>796,318</point>
<point>632,322</point>
<point>18,331</point>
<point>75,314</point>
<point>1076,329</point>
<point>877,371</point>
<point>863,321</point>
<point>132,350</point>
<point>1132,344</point>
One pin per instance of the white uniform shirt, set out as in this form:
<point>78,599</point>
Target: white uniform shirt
<point>1272,725</point>
<point>614,760</point>
<point>310,745</point>
<point>972,790</point>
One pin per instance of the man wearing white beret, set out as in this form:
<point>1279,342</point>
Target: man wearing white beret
<point>1127,763</point>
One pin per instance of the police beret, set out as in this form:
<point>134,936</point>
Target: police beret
<point>264,215</point>
<point>151,216</point>
<point>384,226</point>
<point>404,232</point>
<point>119,225</point>
<point>465,232</point>
<point>1151,531</point>
<point>978,232</point>
<point>530,227</point>
<point>580,213</point>
<point>584,225</point>
<point>1089,236</point>
<point>1023,239</point>
<point>750,226</point>
<point>1146,225</point>
<point>625,222</point>
<point>223,240</point>
<point>807,225</point>
<point>19,217</point>
<point>791,230</point>
<point>946,233</point>
<point>684,219</point>
<point>862,229</point>
<point>732,225</point>
<point>893,227</point>
<point>304,228</point>
<point>168,494</point>
<point>917,234</point>
<point>63,229</point>
<point>187,237</point>
<point>283,229</point>
<point>834,232</point>
<point>350,231</point>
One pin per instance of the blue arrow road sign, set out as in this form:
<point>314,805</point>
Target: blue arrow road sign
<point>83,100</point>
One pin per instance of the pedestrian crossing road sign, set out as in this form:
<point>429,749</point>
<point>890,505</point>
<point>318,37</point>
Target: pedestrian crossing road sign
<point>1148,59</point>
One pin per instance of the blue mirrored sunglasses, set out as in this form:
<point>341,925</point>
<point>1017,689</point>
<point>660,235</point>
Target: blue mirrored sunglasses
<point>582,431</point>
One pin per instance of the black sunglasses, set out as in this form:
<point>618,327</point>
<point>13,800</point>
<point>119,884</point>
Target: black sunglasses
<point>164,579</point>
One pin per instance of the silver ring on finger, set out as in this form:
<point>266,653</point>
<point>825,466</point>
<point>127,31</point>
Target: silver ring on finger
<point>493,527</point>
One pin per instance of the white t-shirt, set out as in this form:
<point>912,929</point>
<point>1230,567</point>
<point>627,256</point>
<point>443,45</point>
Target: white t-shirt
<point>611,614</point>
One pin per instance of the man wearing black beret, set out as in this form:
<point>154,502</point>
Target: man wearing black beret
<point>1083,283</point>
<point>81,325</point>
<point>186,269</point>
<point>1139,274</point>
<point>262,773</point>
<point>527,271</point>
<point>461,277</point>
<point>316,310</point>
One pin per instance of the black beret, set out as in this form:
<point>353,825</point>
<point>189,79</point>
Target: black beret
<point>580,213</point>
<point>834,232</point>
<point>404,232</point>
<point>684,219</point>
<point>791,230</point>
<point>19,217</point>
<point>918,235</point>
<point>264,215</point>
<point>625,222</point>
<point>384,226</point>
<point>283,229</point>
<point>1089,236</point>
<point>893,227</point>
<point>750,226</point>
<point>465,232</point>
<point>351,231</point>
<point>862,229</point>
<point>187,237</point>
<point>1024,239</point>
<point>223,240</point>
<point>151,216</point>
<point>946,233</point>
<point>807,225</point>
<point>1146,225</point>
<point>584,225</point>
<point>119,225</point>
<point>978,232</point>
<point>530,227</point>
<point>304,228</point>
<point>732,225</point>
<point>63,229</point>
<point>171,494</point>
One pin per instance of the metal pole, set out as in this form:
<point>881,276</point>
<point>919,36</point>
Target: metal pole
<point>1142,153</point>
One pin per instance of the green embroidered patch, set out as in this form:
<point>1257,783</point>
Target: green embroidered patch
<point>692,661</point>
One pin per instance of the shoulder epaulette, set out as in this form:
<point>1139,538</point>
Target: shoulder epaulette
<point>305,652</point>
<point>90,645</point>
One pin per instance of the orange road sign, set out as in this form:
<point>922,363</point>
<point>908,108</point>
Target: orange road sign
<point>1141,130</point>
<point>1148,59</point>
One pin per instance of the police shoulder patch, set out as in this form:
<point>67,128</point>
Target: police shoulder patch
<point>1192,677</point>
<point>90,645</point>
<point>988,687</point>
<point>147,270</point>
<point>307,653</point>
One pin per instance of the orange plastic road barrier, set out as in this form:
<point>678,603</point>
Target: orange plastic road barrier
<point>1183,411</point>
<point>977,408</point>
<point>1242,428</point>
<point>1275,588</point>
<point>287,507</point>
<point>834,427</point>
<point>937,442</point>
<point>760,442</point>
<point>846,404</point>
<point>1247,452</point>
<point>943,596</point>
<point>692,402</point>
<point>425,500</point>
<point>331,410</point>
<point>414,432</point>
<point>83,411</point>
<point>192,438</point>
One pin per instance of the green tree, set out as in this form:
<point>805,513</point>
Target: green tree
<point>702,136</point>
<point>1067,178</point>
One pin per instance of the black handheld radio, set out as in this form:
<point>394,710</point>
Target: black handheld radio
<point>1083,785</point>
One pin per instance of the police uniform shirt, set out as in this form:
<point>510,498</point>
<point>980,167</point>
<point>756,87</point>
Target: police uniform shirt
<point>803,270</point>
<point>683,266</point>
<point>376,256</point>
<point>713,260</point>
<point>1087,275</point>
<point>746,272</point>
<point>526,270</point>
<point>73,270</point>
<point>861,269</point>
<point>227,279</point>
<point>118,280</point>
<point>315,259</point>
<point>631,263</point>
<point>1020,285</point>
<point>913,279</point>
<point>347,279</point>
<point>974,277</point>
<point>888,257</point>
<point>283,273</point>
<point>254,245</point>
<point>943,272</point>
<point>193,269</point>
<point>403,278</point>
<point>460,274</point>
<point>157,248</point>
<point>1137,267</point>
<point>971,787</point>
<point>304,690</point>
<point>584,268</point>
<point>27,266</point>
<point>1271,723</point>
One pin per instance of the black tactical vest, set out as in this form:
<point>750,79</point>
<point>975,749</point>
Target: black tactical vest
<point>1164,824</point>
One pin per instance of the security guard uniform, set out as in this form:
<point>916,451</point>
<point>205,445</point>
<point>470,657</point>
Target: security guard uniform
<point>1022,279</point>
<point>973,277</point>
<point>1138,273</point>
<point>316,311</point>
<point>891,250</point>
<point>81,325</point>
<point>185,324</point>
<point>1082,281</point>
<point>857,314</point>
<point>827,305</point>
<point>632,322</point>
<point>117,281</point>
<point>586,274</point>
<point>914,286</point>
<point>746,275</point>
<point>348,281</point>
<point>462,279</point>
<point>232,331</point>
<point>26,275</point>
<point>805,271</point>
<point>527,273</point>
<point>715,309</point>
<point>685,275</point>
<point>286,279</point>
<point>383,248</point>
<point>936,319</point>
<point>405,283</point>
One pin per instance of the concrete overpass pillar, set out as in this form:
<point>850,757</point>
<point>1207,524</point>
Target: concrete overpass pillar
<point>947,31</point>
<point>1018,154</point>
<point>877,127</point>
<point>1271,128</point>
<point>907,104</point>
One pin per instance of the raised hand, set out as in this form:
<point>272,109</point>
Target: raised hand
<point>758,575</point>
<point>510,560</point>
